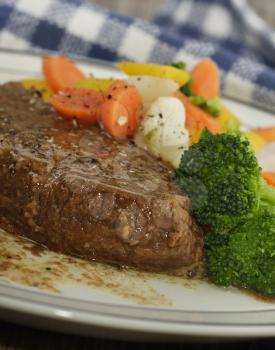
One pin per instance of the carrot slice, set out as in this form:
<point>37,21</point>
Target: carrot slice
<point>115,118</point>
<point>80,103</point>
<point>266,133</point>
<point>206,79</point>
<point>60,72</point>
<point>130,98</point>
<point>197,119</point>
<point>269,178</point>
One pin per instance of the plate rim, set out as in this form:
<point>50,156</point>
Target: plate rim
<point>151,326</point>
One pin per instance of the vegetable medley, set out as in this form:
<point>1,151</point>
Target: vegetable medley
<point>145,106</point>
<point>179,117</point>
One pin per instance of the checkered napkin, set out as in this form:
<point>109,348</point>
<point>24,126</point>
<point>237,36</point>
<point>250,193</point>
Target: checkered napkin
<point>227,30</point>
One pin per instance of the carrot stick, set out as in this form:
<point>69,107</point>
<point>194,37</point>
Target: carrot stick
<point>266,133</point>
<point>115,118</point>
<point>80,103</point>
<point>269,178</point>
<point>197,119</point>
<point>206,79</point>
<point>60,72</point>
<point>130,98</point>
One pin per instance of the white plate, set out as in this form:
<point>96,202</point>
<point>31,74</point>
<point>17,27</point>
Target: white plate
<point>96,299</point>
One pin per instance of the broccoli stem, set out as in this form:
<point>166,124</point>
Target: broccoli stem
<point>267,192</point>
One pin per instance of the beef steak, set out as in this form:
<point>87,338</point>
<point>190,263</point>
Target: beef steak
<point>74,189</point>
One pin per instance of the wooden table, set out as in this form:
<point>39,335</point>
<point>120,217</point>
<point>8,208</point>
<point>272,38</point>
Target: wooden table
<point>14,337</point>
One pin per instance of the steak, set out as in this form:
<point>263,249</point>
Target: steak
<point>73,189</point>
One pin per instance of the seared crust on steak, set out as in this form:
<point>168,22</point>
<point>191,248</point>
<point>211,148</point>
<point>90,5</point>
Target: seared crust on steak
<point>73,189</point>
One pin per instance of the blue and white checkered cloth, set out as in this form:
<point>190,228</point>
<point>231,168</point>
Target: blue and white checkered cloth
<point>229,31</point>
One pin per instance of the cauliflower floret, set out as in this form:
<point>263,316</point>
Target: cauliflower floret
<point>163,131</point>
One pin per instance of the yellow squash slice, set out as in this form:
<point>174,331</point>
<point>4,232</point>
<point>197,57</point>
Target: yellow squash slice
<point>39,85</point>
<point>162,71</point>
<point>229,121</point>
<point>94,84</point>
<point>257,142</point>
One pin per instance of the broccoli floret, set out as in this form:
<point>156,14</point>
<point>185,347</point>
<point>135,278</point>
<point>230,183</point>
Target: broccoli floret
<point>222,177</point>
<point>237,208</point>
<point>246,257</point>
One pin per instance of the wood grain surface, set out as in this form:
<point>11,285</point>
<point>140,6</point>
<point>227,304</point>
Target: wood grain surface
<point>24,338</point>
<point>14,337</point>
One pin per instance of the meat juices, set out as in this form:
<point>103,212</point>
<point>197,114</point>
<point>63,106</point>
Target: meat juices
<point>72,188</point>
